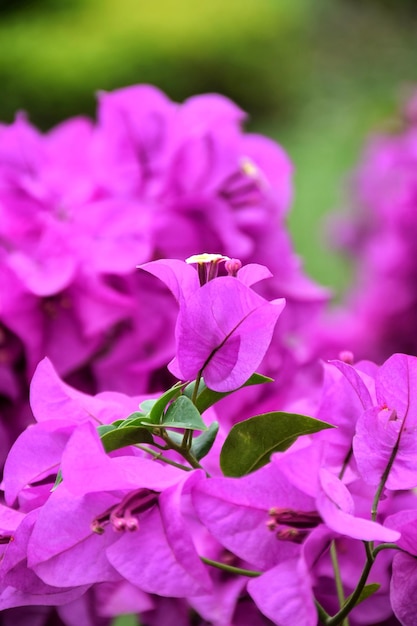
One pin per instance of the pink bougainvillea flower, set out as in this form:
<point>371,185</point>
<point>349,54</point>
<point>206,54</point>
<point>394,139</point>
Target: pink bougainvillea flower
<point>58,409</point>
<point>108,509</point>
<point>281,520</point>
<point>20,584</point>
<point>81,204</point>
<point>284,594</point>
<point>404,567</point>
<point>223,332</point>
<point>386,427</point>
<point>265,516</point>
<point>224,328</point>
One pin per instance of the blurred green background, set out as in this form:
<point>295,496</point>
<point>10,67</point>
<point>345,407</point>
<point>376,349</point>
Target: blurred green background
<point>317,75</point>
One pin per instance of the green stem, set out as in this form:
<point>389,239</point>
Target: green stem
<point>230,568</point>
<point>323,615</point>
<point>369,546</point>
<point>191,459</point>
<point>338,579</point>
<point>350,604</point>
<point>387,546</point>
<point>338,618</point>
<point>189,439</point>
<point>346,463</point>
<point>384,478</point>
<point>184,443</point>
<point>184,452</point>
<point>196,386</point>
<point>159,455</point>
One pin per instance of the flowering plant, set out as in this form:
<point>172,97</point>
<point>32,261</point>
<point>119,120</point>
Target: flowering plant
<point>154,500</point>
<point>215,495</point>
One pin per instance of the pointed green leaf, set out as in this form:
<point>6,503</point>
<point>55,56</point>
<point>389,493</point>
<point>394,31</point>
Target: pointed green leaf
<point>58,480</point>
<point>250,444</point>
<point>161,403</point>
<point>138,421</point>
<point>203,443</point>
<point>367,591</point>
<point>133,417</point>
<point>183,414</point>
<point>207,397</point>
<point>151,410</point>
<point>126,436</point>
<point>147,405</point>
<point>105,428</point>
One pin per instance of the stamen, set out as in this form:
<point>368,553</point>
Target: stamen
<point>291,525</point>
<point>292,535</point>
<point>4,539</point>
<point>207,265</point>
<point>122,515</point>
<point>245,187</point>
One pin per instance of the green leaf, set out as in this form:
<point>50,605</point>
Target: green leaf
<point>105,428</point>
<point>250,444</point>
<point>207,397</point>
<point>147,405</point>
<point>183,414</point>
<point>202,444</point>
<point>153,408</point>
<point>189,389</point>
<point>125,436</point>
<point>58,480</point>
<point>132,416</point>
<point>138,421</point>
<point>367,591</point>
<point>161,403</point>
<point>135,419</point>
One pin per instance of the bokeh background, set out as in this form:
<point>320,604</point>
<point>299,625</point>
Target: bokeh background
<point>316,75</point>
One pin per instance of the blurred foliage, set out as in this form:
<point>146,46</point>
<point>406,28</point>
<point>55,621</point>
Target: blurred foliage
<point>54,56</point>
<point>126,620</point>
<point>362,68</point>
<point>317,75</point>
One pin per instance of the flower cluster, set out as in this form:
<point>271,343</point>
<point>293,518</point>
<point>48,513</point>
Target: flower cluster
<point>156,504</point>
<point>206,494</point>
<point>83,204</point>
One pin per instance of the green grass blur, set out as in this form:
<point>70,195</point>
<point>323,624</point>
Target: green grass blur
<point>126,620</point>
<point>55,55</point>
<point>317,75</point>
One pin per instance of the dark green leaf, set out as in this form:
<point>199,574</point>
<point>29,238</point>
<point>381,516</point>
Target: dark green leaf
<point>161,403</point>
<point>183,414</point>
<point>250,444</point>
<point>367,591</point>
<point>203,443</point>
<point>126,436</point>
<point>207,397</point>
